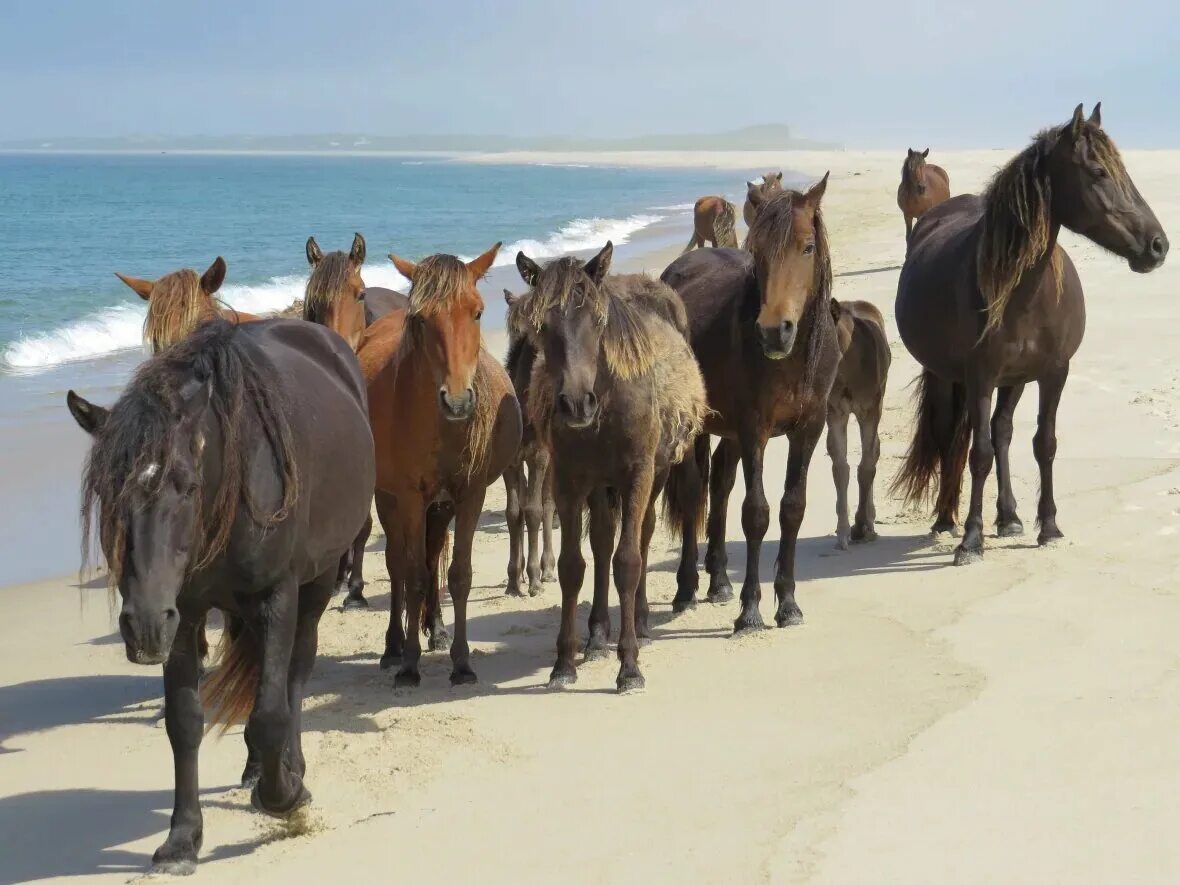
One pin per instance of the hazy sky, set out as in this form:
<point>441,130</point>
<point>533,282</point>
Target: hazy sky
<point>866,72</point>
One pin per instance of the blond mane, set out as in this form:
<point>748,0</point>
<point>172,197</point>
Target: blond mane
<point>177,306</point>
<point>327,283</point>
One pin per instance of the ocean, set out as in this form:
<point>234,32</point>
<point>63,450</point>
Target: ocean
<point>67,222</point>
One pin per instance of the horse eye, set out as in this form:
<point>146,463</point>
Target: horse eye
<point>478,315</point>
<point>1098,172</point>
<point>360,296</point>
<point>809,248</point>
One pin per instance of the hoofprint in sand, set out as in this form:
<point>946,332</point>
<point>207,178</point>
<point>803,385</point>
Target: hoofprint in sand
<point>1012,721</point>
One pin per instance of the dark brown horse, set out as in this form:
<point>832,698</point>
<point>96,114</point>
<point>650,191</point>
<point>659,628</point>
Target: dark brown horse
<point>445,425</point>
<point>758,192</point>
<point>618,398</point>
<point>713,223</point>
<point>528,480</point>
<point>859,389</point>
<point>232,473</point>
<point>988,301</point>
<point>336,297</point>
<point>923,186</point>
<point>763,333</point>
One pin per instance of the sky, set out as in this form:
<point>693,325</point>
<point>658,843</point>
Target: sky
<point>868,73</point>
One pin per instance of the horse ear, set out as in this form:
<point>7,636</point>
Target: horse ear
<point>909,152</point>
<point>510,299</point>
<point>314,253</point>
<point>925,153</point>
<point>1078,121</point>
<point>212,279</point>
<point>778,176</point>
<point>142,288</point>
<point>481,265</point>
<point>406,268</point>
<point>599,266</point>
<point>529,269</point>
<point>1096,116</point>
<point>835,305</point>
<point>90,417</point>
<point>815,193</point>
<point>357,255</point>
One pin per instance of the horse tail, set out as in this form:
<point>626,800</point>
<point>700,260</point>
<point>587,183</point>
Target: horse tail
<point>684,500</point>
<point>692,242</point>
<point>433,602</point>
<point>724,222</point>
<point>228,693</point>
<point>942,439</point>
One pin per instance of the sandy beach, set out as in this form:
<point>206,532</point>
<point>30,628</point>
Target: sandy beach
<point>1012,721</point>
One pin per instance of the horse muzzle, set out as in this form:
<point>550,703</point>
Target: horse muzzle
<point>777,341</point>
<point>577,413</point>
<point>1152,255</point>
<point>457,408</point>
<point>148,635</point>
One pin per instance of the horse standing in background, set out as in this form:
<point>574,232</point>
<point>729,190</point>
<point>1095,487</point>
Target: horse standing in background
<point>758,192</point>
<point>713,220</point>
<point>987,301</point>
<point>446,425</point>
<point>923,186</point>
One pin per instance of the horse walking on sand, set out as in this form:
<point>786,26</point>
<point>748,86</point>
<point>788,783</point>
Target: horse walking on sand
<point>758,192</point>
<point>988,301</point>
<point>923,186</point>
<point>233,473</point>
<point>762,330</point>
<point>713,220</point>
<point>859,389</point>
<point>337,297</point>
<point>528,480</point>
<point>618,398</point>
<point>445,424</point>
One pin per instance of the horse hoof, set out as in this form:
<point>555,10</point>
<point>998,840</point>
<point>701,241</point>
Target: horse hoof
<point>1045,538</point>
<point>1011,529</point>
<point>562,678</point>
<point>683,605</point>
<point>628,684</point>
<point>964,556</point>
<point>464,677</point>
<point>354,602</point>
<point>548,576</point>
<point>720,595</point>
<point>789,617</point>
<point>514,591</point>
<point>841,542</point>
<point>749,620</point>
<point>863,535</point>
<point>536,590</point>
<point>597,652</point>
<point>407,679</point>
<point>302,797</point>
<point>440,641</point>
<point>174,868</point>
<point>942,528</point>
<point>390,658</point>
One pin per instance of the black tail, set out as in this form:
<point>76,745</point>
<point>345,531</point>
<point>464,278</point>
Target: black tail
<point>685,502</point>
<point>942,439</point>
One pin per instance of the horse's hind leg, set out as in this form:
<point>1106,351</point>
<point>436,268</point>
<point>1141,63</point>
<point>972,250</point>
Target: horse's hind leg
<point>1045,450</point>
<point>185,723</point>
<point>548,509</point>
<point>438,520</point>
<point>1008,524</point>
<point>979,406</point>
<point>313,599</point>
<point>467,511</point>
<point>514,516</point>
<point>838,452</point>
<point>864,527</point>
<point>602,544</point>
<point>356,567</point>
<point>533,513</point>
<point>722,475</point>
<point>688,491</point>
<point>642,610</point>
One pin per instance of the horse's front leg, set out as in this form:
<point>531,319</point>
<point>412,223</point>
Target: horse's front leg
<point>395,565</point>
<point>602,542</point>
<point>1008,524</point>
<point>803,441</point>
<point>185,723</point>
<point>279,790</point>
<point>417,578</point>
<point>514,516</point>
<point>864,527</point>
<point>467,511</point>
<point>1045,450</point>
<point>722,475</point>
<point>838,452</point>
<point>755,522</point>
<point>548,511</point>
<point>313,599</point>
<point>534,512</point>
<point>571,571</point>
<point>628,564</point>
<point>979,403</point>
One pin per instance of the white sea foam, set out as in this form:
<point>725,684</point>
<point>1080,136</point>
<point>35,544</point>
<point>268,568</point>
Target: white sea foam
<point>120,327</point>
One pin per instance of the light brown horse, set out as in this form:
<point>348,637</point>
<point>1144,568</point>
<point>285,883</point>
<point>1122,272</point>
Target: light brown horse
<point>758,192</point>
<point>713,222</point>
<point>445,426</point>
<point>923,186</point>
<point>178,301</point>
<point>859,389</point>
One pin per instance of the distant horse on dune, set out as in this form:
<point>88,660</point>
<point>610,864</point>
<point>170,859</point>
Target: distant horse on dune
<point>758,192</point>
<point>923,186</point>
<point>713,220</point>
<point>987,301</point>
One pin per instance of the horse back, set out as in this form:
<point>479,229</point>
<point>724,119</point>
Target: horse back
<point>380,301</point>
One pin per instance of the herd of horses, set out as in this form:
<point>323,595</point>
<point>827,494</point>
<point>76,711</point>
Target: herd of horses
<point>239,467</point>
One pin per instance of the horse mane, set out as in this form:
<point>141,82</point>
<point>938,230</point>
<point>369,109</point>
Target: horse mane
<point>908,179</point>
<point>176,307</point>
<point>1017,221</point>
<point>325,285</point>
<point>768,239</point>
<point>617,304</point>
<point>142,430</point>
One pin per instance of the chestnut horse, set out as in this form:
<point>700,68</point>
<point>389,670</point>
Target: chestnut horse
<point>923,186</point>
<point>618,398</point>
<point>757,193</point>
<point>445,426</point>
<point>859,389</point>
<point>336,297</point>
<point>713,222</point>
<point>988,301</point>
<point>528,481</point>
<point>762,330</point>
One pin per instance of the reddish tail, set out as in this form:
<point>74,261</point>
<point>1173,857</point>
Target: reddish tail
<point>228,692</point>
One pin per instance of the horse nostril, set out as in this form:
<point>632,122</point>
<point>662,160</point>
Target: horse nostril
<point>591,404</point>
<point>787,327</point>
<point>1159,246</point>
<point>567,404</point>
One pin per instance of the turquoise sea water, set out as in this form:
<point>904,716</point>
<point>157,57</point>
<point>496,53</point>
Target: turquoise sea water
<point>68,221</point>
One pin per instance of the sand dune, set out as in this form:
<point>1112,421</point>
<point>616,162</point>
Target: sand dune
<point>1012,721</point>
